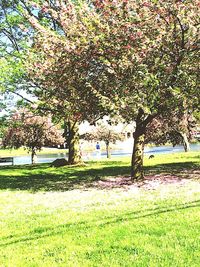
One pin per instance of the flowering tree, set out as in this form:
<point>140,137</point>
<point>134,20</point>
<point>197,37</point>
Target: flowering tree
<point>31,131</point>
<point>3,126</point>
<point>54,66</point>
<point>16,33</point>
<point>139,58</point>
<point>106,133</point>
<point>173,130</point>
<point>152,50</point>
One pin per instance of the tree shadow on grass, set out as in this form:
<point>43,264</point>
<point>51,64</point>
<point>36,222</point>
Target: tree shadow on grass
<point>173,167</point>
<point>43,178</point>
<point>182,170</point>
<point>196,157</point>
<point>82,226</point>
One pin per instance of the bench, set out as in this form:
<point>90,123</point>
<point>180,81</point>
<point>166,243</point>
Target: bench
<point>8,159</point>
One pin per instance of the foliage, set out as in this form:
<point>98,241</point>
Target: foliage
<point>14,42</point>
<point>137,58</point>
<point>59,98</point>
<point>31,131</point>
<point>13,35</point>
<point>170,130</point>
<point>11,72</point>
<point>3,125</point>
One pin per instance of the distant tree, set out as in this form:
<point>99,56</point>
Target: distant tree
<point>106,133</point>
<point>3,126</point>
<point>31,131</point>
<point>174,130</point>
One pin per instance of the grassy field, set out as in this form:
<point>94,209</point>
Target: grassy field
<point>24,152</point>
<point>94,216</point>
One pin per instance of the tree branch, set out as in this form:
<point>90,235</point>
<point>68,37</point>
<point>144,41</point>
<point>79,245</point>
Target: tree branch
<point>11,35</point>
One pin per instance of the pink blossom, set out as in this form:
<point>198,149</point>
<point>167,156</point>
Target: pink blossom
<point>146,4</point>
<point>127,46</point>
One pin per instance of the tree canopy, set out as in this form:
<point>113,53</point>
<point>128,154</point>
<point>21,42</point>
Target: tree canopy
<point>31,131</point>
<point>138,59</point>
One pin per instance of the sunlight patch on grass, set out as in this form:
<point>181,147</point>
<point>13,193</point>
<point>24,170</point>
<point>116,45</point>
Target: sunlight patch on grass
<point>58,217</point>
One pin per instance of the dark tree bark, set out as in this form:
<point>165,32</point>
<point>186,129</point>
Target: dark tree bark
<point>142,121</point>
<point>138,153</point>
<point>33,156</point>
<point>185,141</point>
<point>108,149</point>
<point>74,144</point>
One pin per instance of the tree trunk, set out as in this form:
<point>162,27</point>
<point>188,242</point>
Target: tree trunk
<point>33,156</point>
<point>138,153</point>
<point>74,144</point>
<point>108,150</point>
<point>185,141</point>
<point>142,121</point>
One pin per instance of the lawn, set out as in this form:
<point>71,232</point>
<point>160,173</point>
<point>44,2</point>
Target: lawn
<point>24,152</point>
<point>94,216</point>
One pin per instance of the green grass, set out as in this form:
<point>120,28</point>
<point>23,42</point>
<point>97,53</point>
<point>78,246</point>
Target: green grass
<point>62,217</point>
<point>24,152</point>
